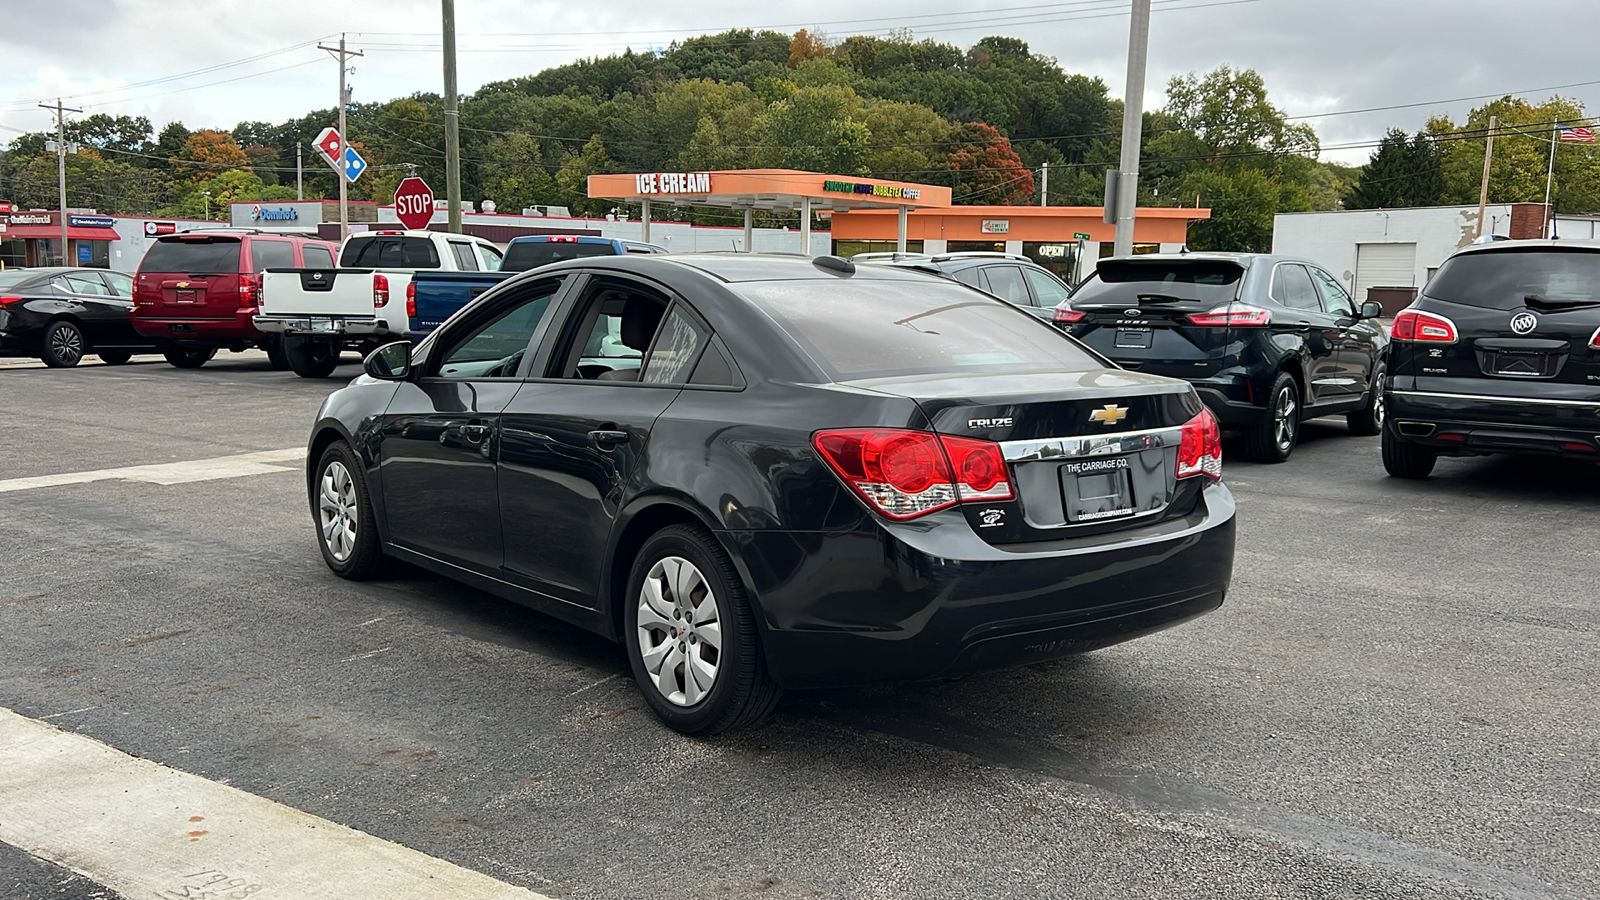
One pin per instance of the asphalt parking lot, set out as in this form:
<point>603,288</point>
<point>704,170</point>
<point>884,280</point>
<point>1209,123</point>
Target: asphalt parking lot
<point>1399,698</point>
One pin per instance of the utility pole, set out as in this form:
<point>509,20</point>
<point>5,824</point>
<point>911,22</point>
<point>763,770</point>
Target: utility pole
<point>1044,193</point>
<point>1488,156</point>
<point>299,173</point>
<point>1132,126</point>
<point>61,170</point>
<point>344,137</point>
<point>452,122</point>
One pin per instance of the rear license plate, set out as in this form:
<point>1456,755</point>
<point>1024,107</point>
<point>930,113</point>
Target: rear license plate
<point>177,328</point>
<point>187,297</point>
<point>1097,489</point>
<point>1133,338</point>
<point>1523,365</point>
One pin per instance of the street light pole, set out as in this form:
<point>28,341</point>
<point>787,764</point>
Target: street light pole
<point>1132,126</point>
<point>207,195</point>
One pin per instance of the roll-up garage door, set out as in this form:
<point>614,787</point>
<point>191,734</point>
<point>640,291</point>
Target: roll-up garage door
<point>1384,265</point>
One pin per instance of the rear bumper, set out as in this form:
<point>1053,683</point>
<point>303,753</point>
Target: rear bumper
<point>322,325</point>
<point>1230,413</point>
<point>921,601</point>
<point>1461,423</point>
<point>186,328</point>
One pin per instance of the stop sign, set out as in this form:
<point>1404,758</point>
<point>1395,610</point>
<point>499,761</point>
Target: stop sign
<point>413,203</point>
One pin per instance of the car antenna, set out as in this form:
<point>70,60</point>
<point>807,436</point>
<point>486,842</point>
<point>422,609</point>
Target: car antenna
<point>835,264</point>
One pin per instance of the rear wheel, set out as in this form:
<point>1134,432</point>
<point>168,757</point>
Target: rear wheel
<point>275,354</point>
<point>311,358</point>
<point>189,357</point>
<point>345,530</point>
<point>691,636</point>
<point>1368,420</point>
<point>114,357</point>
<point>1273,439</point>
<point>63,344</point>
<point>1404,459</point>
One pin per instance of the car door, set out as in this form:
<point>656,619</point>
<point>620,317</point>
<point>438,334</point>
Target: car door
<point>440,436</point>
<point>92,304</point>
<point>1317,331</point>
<point>1360,340</point>
<point>575,439</point>
<point>1006,283</point>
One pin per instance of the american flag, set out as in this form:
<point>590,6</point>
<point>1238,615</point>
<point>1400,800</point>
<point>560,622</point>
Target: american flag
<point>1574,134</point>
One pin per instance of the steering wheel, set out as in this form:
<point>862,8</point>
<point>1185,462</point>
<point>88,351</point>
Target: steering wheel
<point>507,367</point>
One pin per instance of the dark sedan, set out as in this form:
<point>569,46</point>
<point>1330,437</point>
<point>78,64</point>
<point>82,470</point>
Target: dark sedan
<point>61,315</point>
<point>767,472</point>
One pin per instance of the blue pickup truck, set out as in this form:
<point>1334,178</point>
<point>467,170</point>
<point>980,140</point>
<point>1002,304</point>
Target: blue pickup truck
<point>432,297</point>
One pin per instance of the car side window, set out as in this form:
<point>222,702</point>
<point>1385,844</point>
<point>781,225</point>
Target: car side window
<point>716,367</point>
<point>1291,286</point>
<point>971,278</point>
<point>1006,283</point>
<point>81,284</point>
<point>609,334</point>
<point>266,254</point>
<point>490,256</point>
<point>1334,299</point>
<point>121,285</point>
<point>1049,291</point>
<point>466,257</point>
<point>676,349</point>
<point>495,348</point>
<point>316,257</point>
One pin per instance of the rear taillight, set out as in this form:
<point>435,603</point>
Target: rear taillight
<point>1416,325</point>
<point>249,291</point>
<point>411,299</point>
<point>1234,315</point>
<point>5,301</point>
<point>1200,448</point>
<point>1066,315</point>
<point>380,291</point>
<point>562,239</point>
<point>1594,342</point>
<point>904,474</point>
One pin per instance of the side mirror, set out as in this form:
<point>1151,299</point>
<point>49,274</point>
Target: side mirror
<point>1371,309</point>
<point>391,362</point>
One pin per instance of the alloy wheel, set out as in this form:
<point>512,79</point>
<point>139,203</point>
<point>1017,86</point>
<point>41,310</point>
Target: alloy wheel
<point>1380,408</point>
<point>680,635</point>
<point>1284,419</point>
<point>66,342</point>
<point>338,510</point>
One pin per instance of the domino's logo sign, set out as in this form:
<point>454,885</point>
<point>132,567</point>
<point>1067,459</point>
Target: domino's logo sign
<point>257,213</point>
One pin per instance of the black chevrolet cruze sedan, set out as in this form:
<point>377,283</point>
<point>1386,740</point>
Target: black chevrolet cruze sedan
<point>1500,354</point>
<point>1267,341</point>
<point>763,472</point>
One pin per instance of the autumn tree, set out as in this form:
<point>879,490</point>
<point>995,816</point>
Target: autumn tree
<point>984,168</point>
<point>207,154</point>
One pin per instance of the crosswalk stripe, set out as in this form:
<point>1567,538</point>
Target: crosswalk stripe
<point>169,473</point>
<point>145,830</point>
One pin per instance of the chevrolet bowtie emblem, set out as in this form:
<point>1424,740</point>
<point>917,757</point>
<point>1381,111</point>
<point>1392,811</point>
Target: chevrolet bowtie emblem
<point>1110,415</point>
<point>183,284</point>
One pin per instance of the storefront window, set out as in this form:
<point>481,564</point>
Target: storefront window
<point>851,248</point>
<point>13,253</point>
<point>1108,249</point>
<point>976,247</point>
<point>1060,259</point>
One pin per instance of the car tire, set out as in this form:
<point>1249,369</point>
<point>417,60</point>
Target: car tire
<point>342,509</point>
<point>1405,459</point>
<point>189,357</point>
<point>114,357</point>
<point>683,596</point>
<point>1368,420</point>
<point>311,359</point>
<point>276,357</point>
<point>63,345</point>
<point>1273,440</point>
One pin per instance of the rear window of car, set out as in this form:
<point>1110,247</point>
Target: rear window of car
<point>1505,280</point>
<point>218,255</point>
<point>1124,282</point>
<point>10,280</point>
<point>865,329</point>
<point>524,255</point>
<point>390,251</point>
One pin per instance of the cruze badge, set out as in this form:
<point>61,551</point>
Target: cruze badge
<point>989,423</point>
<point>1522,323</point>
<point>1110,415</point>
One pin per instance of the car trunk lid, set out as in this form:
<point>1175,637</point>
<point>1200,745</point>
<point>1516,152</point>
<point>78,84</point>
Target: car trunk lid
<point>193,276</point>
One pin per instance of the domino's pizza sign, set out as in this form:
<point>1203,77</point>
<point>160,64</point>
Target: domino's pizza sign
<point>260,213</point>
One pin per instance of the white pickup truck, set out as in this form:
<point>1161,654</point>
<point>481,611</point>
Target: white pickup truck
<point>360,305</point>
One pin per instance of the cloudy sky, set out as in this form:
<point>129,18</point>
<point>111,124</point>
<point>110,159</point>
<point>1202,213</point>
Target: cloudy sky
<point>213,63</point>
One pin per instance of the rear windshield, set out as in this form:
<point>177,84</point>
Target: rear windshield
<point>862,328</point>
<point>1127,281</point>
<point>524,255</point>
<point>217,255</point>
<point>1507,279</point>
<point>390,252</point>
<point>10,280</point>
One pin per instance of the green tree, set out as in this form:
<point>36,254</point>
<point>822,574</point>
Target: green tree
<point>516,177</point>
<point>814,129</point>
<point>1521,155</point>
<point>1242,203</point>
<point>1401,173</point>
<point>573,177</point>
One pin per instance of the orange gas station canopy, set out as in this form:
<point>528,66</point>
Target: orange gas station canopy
<point>771,189</point>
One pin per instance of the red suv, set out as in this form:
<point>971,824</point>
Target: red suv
<point>196,292</point>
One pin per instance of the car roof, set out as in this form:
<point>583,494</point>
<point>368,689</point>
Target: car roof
<point>1540,244</point>
<point>734,266</point>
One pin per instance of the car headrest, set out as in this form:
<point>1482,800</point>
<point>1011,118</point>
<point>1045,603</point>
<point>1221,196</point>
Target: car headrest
<point>640,317</point>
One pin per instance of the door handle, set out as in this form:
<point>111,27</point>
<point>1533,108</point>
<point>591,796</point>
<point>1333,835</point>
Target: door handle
<point>606,436</point>
<point>475,432</point>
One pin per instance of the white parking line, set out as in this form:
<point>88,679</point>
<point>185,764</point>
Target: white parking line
<point>149,831</point>
<point>170,473</point>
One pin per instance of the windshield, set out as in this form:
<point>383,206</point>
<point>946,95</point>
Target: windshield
<point>864,328</point>
<point>190,256</point>
<point>1125,281</point>
<point>1504,280</point>
<point>524,255</point>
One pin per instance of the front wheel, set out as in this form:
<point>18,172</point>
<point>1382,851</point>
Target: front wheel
<point>343,508</point>
<point>63,344</point>
<point>311,358</point>
<point>691,636</point>
<point>189,357</point>
<point>1404,459</point>
<point>1273,439</point>
<point>1368,420</point>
